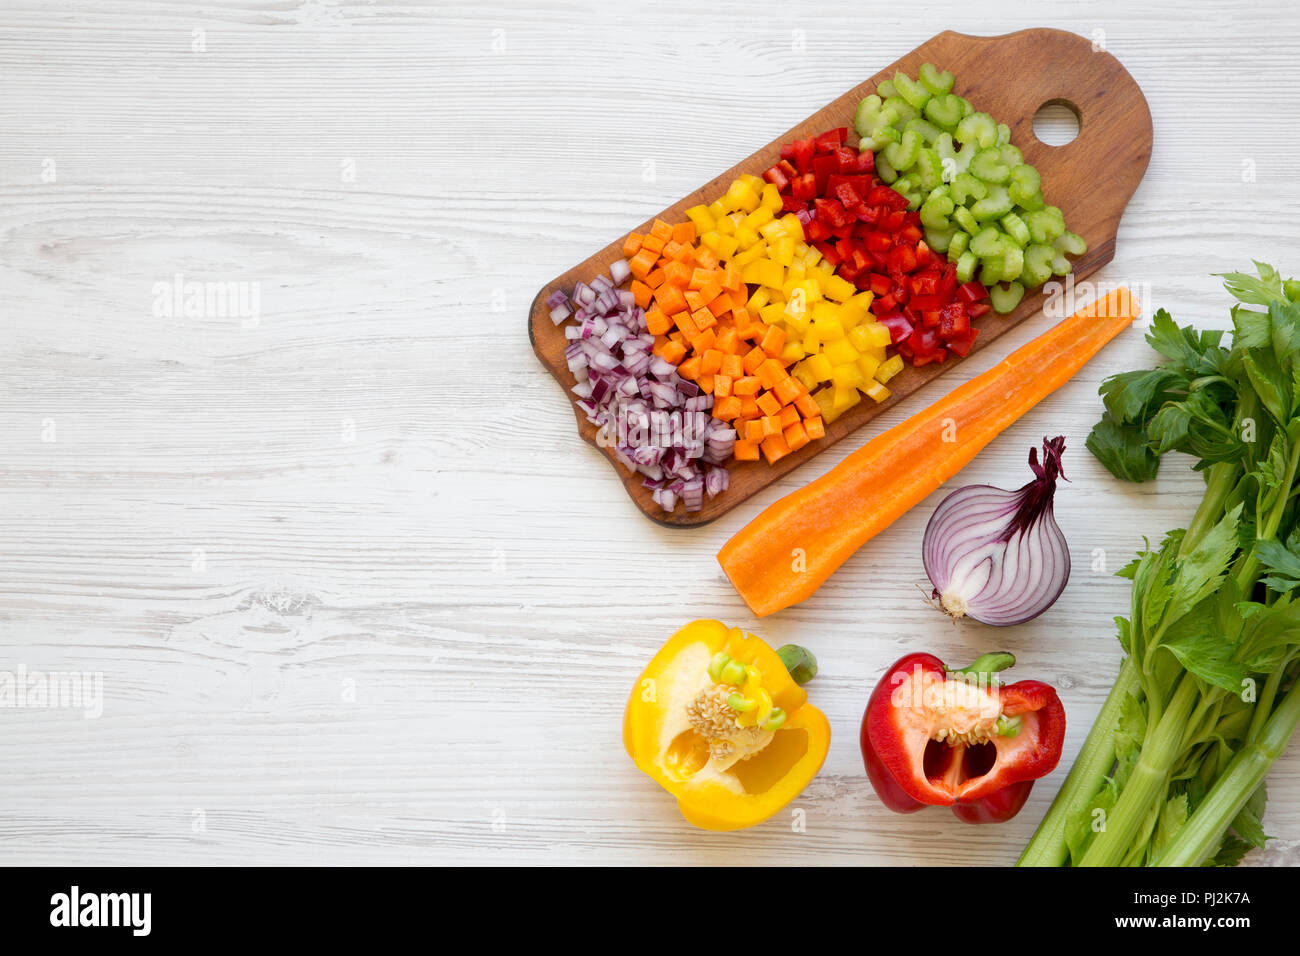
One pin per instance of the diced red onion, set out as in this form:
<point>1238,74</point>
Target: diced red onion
<point>659,421</point>
<point>998,556</point>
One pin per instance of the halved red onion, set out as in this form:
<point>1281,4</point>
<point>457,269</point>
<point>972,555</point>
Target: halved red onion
<point>657,421</point>
<point>998,556</point>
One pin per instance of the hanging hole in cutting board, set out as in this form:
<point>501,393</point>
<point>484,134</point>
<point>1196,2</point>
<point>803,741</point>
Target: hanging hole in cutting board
<point>1057,123</point>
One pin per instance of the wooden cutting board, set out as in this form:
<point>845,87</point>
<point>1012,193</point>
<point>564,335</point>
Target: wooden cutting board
<point>1011,77</point>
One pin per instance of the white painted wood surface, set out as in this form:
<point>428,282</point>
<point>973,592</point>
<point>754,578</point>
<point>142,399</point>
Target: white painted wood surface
<point>357,591</point>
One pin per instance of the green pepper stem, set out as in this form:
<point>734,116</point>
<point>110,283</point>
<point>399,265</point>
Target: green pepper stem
<point>987,664</point>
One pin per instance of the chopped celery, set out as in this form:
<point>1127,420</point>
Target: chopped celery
<point>1061,265</point>
<point>977,129</point>
<point>991,270</point>
<point>965,219</point>
<point>953,162</point>
<point>1025,184</point>
<point>1070,244</point>
<point>1013,262</point>
<point>940,240</point>
<point>879,138</point>
<point>959,243</point>
<point>903,154</point>
<point>926,131</point>
<point>987,243</point>
<point>944,111</point>
<point>1005,298</point>
<point>929,168</point>
<point>904,110</point>
<point>966,108</point>
<point>935,82</point>
<point>1016,229</point>
<point>886,89</point>
<point>988,166</point>
<point>935,211</point>
<point>993,206</point>
<point>905,184</point>
<point>966,263</point>
<point>1004,134</point>
<point>966,187</point>
<point>910,90</point>
<point>1038,264</point>
<point>887,173</point>
<point>1043,226</point>
<point>1011,156</point>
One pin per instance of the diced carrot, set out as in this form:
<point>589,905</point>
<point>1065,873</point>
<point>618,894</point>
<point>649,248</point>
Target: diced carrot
<point>795,436</point>
<point>656,322</point>
<point>685,255</point>
<point>732,364</point>
<point>712,362</point>
<point>754,430</point>
<point>670,249</point>
<point>700,278</point>
<point>710,290</point>
<point>684,232</point>
<point>769,404</point>
<point>694,301</point>
<point>745,451</point>
<point>679,336</point>
<point>770,371</point>
<point>686,324</point>
<point>720,304</point>
<point>642,263</point>
<point>705,382</point>
<point>704,318</point>
<point>727,408</point>
<point>689,368</point>
<point>807,406</point>
<point>722,389</point>
<point>641,293</point>
<point>673,352</point>
<point>678,273</point>
<point>703,342</point>
<point>731,280</point>
<point>789,416</point>
<point>748,385</point>
<point>661,230</point>
<point>655,279</point>
<point>748,407</point>
<point>705,257</point>
<point>753,359</point>
<point>653,243</point>
<point>670,298</point>
<point>787,392</point>
<point>775,448</point>
<point>814,428</point>
<point>632,245</point>
<point>774,340</point>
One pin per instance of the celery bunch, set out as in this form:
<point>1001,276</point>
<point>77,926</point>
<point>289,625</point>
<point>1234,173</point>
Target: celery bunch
<point>1172,773</point>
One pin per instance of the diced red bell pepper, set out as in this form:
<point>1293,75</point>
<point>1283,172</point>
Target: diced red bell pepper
<point>804,187</point>
<point>801,154</point>
<point>932,736</point>
<point>778,177</point>
<point>902,259</point>
<point>973,291</point>
<point>899,328</point>
<point>976,309</point>
<point>960,343</point>
<point>824,167</point>
<point>830,140</point>
<point>884,196</point>
<point>953,320</point>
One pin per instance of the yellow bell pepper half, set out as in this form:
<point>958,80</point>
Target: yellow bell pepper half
<point>718,722</point>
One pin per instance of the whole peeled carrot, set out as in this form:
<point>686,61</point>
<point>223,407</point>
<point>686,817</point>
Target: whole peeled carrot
<point>783,556</point>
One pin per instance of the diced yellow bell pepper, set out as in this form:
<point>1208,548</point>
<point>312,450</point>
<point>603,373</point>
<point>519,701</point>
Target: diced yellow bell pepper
<point>840,352</point>
<point>878,392</point>
<point>889,368</point>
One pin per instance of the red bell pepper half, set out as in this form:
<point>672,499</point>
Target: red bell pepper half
<point>960,738</point>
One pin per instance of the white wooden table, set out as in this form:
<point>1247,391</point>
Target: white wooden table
<point>356,590</point>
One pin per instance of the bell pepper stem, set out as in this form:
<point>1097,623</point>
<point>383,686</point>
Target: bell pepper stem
<point>987,664</point>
